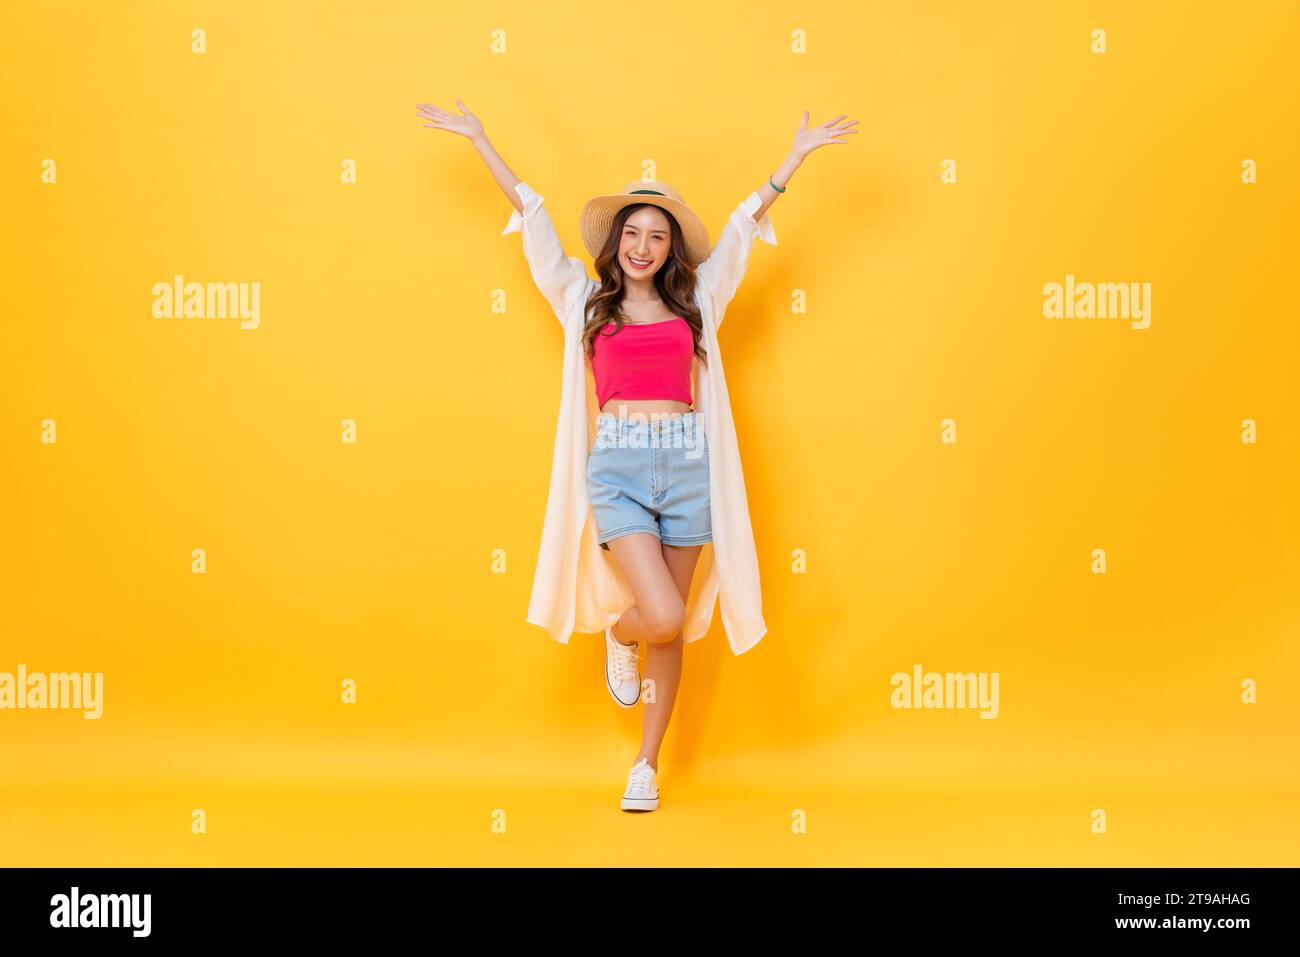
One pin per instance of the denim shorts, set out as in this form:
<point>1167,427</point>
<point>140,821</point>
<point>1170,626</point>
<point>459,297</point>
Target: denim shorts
<point>650,474</point>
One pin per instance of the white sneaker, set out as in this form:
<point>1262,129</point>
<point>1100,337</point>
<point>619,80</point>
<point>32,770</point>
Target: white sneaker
<point>642,792</point>
<point>622,676</point>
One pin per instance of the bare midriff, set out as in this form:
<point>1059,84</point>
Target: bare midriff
<point>647,407</point>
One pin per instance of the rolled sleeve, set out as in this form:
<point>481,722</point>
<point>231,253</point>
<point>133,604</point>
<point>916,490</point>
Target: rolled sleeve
<point>764,225</point>
<point>558,276</point>
<point>722,272</point>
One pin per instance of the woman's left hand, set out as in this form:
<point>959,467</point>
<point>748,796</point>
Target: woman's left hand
<point>807,138</point>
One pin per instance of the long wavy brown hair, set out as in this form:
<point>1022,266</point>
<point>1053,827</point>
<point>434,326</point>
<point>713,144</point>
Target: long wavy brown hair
<point>675,282</point>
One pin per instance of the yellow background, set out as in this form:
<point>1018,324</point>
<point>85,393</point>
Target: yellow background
<point>328,561</point>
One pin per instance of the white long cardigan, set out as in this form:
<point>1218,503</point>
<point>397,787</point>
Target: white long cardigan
<point>578,585</point>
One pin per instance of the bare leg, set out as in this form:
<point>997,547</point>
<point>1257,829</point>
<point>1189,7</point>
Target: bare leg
<point>660,610</point>
<point>664,661</point>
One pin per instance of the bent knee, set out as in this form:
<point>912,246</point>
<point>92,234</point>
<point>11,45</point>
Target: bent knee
<point>664,624</point>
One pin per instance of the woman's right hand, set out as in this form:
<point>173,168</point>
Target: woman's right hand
<point>467,126</point>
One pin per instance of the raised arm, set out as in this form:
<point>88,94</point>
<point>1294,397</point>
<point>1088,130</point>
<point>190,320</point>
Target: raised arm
<point>719,276</point>
<point>721,273</point>
<point>560,277</point>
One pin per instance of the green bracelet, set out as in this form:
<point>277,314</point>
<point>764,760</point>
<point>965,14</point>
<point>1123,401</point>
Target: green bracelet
<point>774,186</point>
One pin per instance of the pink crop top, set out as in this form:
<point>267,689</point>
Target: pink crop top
<point>644,361</point>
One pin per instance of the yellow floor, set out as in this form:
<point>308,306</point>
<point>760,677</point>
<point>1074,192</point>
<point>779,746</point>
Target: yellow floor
<point>304,802</point>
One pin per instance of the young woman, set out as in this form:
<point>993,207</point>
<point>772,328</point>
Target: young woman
<point>646,525</point>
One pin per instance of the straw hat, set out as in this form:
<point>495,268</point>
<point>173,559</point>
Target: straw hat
<point>598,217</point>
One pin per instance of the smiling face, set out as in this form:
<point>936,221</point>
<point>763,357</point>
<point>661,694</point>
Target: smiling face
<point>645,243</point>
